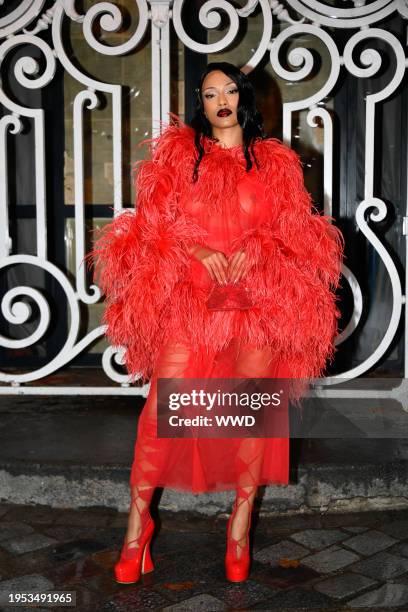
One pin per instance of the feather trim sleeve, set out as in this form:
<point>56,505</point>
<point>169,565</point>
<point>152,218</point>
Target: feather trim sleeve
<point>139,258</point>
<point>295,261</point>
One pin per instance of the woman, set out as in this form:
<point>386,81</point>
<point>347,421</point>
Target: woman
<point>224,271</point>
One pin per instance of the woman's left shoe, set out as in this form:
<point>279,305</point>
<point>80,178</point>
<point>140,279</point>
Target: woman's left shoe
<point>237,557</point>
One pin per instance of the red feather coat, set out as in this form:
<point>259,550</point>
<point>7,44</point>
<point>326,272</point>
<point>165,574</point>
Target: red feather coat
<point>155,290</point>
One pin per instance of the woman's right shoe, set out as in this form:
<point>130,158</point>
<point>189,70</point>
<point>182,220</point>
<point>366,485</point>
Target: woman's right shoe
<point>134,561</point>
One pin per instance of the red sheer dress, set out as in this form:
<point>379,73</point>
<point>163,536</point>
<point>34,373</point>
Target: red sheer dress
<point>214,464</point>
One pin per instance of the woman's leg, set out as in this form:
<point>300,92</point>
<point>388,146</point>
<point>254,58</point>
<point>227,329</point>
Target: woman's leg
<point>150,451</point>
<point>251,363</point>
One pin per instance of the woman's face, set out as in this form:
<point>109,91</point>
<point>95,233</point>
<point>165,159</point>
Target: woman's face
<point>220,97</point>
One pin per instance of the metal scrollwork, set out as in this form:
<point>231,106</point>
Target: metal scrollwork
<point>317,19</point>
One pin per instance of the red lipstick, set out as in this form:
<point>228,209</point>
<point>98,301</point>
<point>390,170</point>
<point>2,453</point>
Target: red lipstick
<point>224,112</point>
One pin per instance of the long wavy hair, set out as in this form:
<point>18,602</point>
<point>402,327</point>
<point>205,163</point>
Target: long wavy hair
<point>249,118</point>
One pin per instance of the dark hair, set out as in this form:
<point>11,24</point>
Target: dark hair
<point>249,118</point>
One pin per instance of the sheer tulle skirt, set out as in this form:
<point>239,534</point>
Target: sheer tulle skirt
<point>209,464</point>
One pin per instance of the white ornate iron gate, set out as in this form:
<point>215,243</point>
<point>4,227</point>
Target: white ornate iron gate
<point>28,21</point>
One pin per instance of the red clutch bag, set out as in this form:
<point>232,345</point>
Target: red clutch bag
<point>229,297</point>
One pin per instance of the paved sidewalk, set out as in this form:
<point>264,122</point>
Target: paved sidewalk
<point>320,562</point>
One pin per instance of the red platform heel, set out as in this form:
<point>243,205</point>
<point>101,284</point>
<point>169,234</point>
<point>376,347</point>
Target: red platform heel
<point>237,557</point>
<point>135,558</point>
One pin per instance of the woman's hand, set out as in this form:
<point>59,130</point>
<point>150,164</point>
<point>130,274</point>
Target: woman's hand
<point>215,262</point>
<point>237,266</point>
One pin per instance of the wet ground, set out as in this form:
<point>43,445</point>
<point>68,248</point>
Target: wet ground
<point>320,562</point>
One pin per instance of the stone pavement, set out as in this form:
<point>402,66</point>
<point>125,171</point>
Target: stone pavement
<point>317,562</point>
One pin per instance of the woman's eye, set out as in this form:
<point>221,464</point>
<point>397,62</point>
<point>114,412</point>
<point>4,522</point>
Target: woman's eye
<point>208,96</point>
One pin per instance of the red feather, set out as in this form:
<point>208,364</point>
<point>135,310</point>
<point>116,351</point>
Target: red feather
<point>144,268</point>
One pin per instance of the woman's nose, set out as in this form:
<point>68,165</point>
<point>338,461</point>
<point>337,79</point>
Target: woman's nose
<point>222,99</point>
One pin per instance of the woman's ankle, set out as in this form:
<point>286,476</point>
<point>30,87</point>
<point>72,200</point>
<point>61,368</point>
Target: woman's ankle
<point>136,523</point>
<point>240,523</point>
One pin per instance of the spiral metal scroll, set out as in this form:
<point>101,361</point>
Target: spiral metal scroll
<point>301,17</point>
